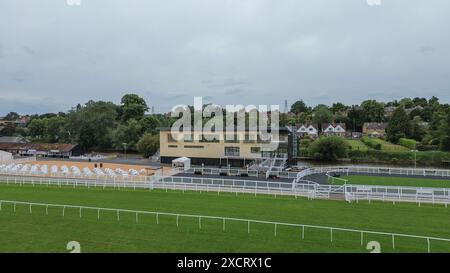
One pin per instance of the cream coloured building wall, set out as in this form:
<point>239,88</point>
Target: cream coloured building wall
<point>199,149</point>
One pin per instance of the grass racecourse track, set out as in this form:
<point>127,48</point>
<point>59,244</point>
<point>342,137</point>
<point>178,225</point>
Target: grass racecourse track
<point>21,231</point>
<point>393,181</point>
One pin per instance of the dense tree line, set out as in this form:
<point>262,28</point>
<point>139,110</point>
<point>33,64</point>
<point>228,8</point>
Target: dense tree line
<point>99,125</point>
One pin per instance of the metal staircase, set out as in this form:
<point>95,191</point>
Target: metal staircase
<point>272,165</point>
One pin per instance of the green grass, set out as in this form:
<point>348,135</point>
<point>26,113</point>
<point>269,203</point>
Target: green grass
<point>357,145</point>
<point>38,232</point>
<point>393,181</point>
<point>390,147</point>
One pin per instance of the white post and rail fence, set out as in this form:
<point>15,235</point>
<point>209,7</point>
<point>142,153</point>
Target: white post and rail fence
<point>13,205</point>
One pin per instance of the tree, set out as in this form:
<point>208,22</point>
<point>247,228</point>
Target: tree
<point>338,108</point>
<point>398,126</point>
<point>8,130</point>
<point>420,101</point>
<point>150,124</point>
<point>36,128</point>
<point>90,125</point>
<point>299,107</point>
<point>445,140</point>
<point>329,148</point>
<point>148,145</point>
<point>356,118</point>
<point>127,133</point>
<point>373,111</point>
<point>417,130</point>
<point>445,143</point>
<point>12,116</point>
<point>407,103</point>
<point>322,114</point>
<point>132,107</point>
<point>55,129</point>
<point>340,117</point>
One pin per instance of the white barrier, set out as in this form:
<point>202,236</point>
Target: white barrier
<point>224,220</point>
<point>375,170</point>
<point>218,171</point>
<point>397,194</point>
<point>304,189</point>
<point>173,183</point>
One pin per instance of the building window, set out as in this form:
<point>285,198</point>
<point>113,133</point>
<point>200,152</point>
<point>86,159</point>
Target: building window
<point>173,146</point>
<point>193,147</point>
<point>255,150</point>
<point>232,151</point>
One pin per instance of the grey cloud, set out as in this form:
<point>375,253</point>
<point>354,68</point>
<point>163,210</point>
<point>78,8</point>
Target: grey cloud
<point>228,82</point>
<point>425,50</point>
<point>29,50</point>
<point>235,52</point>
<point>234,91</point>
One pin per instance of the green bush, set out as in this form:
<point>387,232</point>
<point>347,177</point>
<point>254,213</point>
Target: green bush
<point>305,143</point>
<point>422,147</point>
<point>371,143</point>
<point>329,148</point>
<point>408,143</point>
<point>445,143</point>
<point>304,152</point>
<point>148,144</point>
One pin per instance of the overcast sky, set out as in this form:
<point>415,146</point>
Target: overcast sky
<point>54,56</point>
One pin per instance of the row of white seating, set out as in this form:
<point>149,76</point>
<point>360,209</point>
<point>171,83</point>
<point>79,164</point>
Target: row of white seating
<point>64,170</point>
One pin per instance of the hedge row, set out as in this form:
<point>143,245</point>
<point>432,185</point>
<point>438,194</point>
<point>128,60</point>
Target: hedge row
<point>403,158</point>
<point>371,143</point>
<point>422,147</point>
<point>408,143</point>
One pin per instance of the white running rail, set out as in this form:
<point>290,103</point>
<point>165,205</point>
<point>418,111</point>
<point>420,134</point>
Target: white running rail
<point>224,220</point>
<point>304,188</point>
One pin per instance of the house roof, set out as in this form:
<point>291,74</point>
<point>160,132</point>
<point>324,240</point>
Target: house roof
<point>376,126</point>
<point>64,148</point>
<point>7,139</point>
<point>307,125</point>
<point>325,125</point>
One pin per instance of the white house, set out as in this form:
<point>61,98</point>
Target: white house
<point>310,130</point>
<point>335,129</point>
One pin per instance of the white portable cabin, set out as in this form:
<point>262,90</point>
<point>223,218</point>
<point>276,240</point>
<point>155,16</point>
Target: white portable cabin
<point>183,163</point>
<point>5,156</point>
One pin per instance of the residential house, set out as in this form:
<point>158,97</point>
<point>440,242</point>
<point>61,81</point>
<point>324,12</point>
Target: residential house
<point>334,129</point>
<point>374,129</point>
<point>311,130</point>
